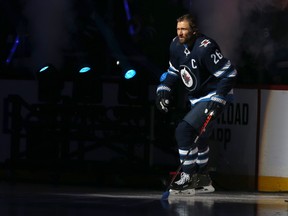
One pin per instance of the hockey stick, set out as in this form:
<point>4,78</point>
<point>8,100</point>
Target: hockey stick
<point>167,193</point>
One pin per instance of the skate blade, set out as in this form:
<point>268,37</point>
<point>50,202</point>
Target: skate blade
<point>188,192</point>
<point>205,189</point>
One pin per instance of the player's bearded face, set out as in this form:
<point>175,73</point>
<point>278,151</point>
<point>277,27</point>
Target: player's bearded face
<point>184,32</point>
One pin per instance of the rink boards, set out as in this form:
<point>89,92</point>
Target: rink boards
<point>253,137</point>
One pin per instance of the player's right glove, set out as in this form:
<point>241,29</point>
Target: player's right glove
<point>215,105</point>
<point>163,97</point>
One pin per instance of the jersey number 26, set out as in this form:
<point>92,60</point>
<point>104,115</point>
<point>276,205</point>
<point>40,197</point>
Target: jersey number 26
<point>216,56</point>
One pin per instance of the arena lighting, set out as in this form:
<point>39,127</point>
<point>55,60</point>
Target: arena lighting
<point>124,67</point>
<point>87,86</point>
<point>13,50</point>
<point>133,88</point>
<point>50,83</point>
<point>128,17</point>
<point>43,69</point>
<point>130,74</point>
<point>84,69</point>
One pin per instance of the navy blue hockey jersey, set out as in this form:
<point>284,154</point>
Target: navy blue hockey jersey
<point>202,68</point>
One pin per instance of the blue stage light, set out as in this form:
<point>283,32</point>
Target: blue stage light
<point>87,85</point>
<point>13,50</point>
<point>50,84</point>
<point>84,69</point>
<point>130,74</point>
<point>129,17</point>
<point>44,69</point>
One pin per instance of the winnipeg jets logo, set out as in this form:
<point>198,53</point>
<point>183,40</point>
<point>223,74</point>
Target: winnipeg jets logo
<point>205,43</point>
<point>188,78</point>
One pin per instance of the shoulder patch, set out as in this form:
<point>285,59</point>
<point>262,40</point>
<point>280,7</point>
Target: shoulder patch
<point>205,43</point>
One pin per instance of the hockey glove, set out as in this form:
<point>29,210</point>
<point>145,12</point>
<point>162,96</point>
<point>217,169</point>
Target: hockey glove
<point>215,105</point>
<point>163,97</point>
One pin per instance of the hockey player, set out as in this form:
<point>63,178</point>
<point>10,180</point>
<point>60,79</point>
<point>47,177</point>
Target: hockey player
<point>209,77</point>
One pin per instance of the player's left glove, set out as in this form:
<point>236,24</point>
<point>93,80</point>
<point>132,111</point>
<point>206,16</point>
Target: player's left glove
<point>163,97</point>
<point>215,105</point>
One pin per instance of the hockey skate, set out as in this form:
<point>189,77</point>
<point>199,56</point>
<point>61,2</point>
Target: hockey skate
<point>184,186</point>
<point>204,184</point>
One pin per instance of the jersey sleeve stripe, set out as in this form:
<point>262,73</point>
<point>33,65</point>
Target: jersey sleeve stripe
<point>220,72</point>
<point>233,73</point>
<point>229,73</point>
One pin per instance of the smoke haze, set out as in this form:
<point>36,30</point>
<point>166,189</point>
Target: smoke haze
<point>49,25</point>
<point>228,20</point>
<point>237,25</point>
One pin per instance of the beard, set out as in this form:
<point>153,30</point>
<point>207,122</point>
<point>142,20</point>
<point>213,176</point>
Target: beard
<point>188,39</point>
<point>182,40</point>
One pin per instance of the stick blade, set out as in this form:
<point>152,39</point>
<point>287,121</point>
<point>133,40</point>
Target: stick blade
<point>165,195</point>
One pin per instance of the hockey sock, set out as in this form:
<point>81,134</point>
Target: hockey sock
<point>202,159</point>
<point>185,136</point>
<point>189,165</point>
